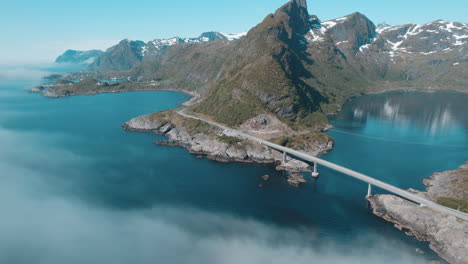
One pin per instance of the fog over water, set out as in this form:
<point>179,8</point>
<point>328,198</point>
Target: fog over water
<point>41,226</point>
<point>75,188</point>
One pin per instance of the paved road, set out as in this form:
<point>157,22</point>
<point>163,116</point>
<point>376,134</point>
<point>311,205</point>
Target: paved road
<point>304,156</point>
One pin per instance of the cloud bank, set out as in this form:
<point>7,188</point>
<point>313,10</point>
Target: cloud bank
<point>44,221</point>
<point>47,51</point>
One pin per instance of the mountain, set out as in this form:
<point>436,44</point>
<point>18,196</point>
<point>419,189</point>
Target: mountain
<point>276,69</point>
<point>79,57</point>
<point>128,53</point>
<point>294,66</point>
<point>430,55</point>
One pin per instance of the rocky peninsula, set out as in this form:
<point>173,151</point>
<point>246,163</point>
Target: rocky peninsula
<point>447,235</point>
<point>203,139</point>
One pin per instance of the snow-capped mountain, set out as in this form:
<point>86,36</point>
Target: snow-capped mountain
<point>129,53</point>
<point>152,48</point>
<point>355,34</point>
<point>428,55</point>
<point>412,39</point>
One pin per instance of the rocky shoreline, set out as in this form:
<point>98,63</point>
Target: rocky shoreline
<point>213,145</point>
<point>447,235</point>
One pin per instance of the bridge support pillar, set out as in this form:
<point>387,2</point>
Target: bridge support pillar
<point>369,191</point>
<point>315,173</point>
<point>284,157</point>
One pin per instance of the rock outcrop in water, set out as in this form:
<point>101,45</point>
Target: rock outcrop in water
<point>202,139</point>
<point>447,235</point>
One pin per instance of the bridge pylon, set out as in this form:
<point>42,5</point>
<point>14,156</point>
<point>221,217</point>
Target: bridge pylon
<point>369,191</point>
<point>315,173</point>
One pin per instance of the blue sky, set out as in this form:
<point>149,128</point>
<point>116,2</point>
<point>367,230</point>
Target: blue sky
<point>38,31</point>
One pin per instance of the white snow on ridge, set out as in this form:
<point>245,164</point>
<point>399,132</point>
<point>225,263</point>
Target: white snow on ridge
<point>460,40</point>
<point>329,24</point>
<point>394,48</point>
<point>428,53</point>
<point>341,42</point>
<point>389,29</point>
<point>363,47</point>
<point>380,30</point>
<point>333,22</point>
<point>316,35</point>
<point>236,36</point>
<point>144,49</point>
<point>158,44</point>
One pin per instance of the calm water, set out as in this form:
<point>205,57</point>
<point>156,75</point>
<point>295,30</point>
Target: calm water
<point>74,150</point>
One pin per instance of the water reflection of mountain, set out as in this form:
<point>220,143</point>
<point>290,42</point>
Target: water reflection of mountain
<point>433,112</point>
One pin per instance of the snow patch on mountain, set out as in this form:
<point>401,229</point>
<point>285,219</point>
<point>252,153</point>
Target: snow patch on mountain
<point>153,47</point>
<point>232,37</point>
<point>316,35</point>
<point>424,39</point>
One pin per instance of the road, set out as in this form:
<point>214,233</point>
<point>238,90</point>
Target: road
<point>304,156</point>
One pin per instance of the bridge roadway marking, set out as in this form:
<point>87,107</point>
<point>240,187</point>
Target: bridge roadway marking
<point>390,188</point>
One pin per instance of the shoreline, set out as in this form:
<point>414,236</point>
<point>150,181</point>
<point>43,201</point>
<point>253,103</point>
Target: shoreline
<point>194,96</point>
<point>209,145</point>
<point>447,235</point>
<point>377,206</point>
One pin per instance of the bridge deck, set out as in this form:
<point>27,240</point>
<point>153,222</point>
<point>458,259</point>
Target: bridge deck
<point>362,177</point>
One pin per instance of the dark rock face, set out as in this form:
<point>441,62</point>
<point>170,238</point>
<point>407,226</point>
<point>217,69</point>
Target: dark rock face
<point>295,17</point>
<point>353,32</point>
<point>78,57</point>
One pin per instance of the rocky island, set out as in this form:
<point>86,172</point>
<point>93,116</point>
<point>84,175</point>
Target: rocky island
<point>447,235</point>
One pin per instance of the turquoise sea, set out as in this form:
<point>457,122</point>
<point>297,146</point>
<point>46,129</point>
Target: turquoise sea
<point>76,188</point>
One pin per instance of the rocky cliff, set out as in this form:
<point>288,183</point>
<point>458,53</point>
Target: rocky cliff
<point>202,139</point>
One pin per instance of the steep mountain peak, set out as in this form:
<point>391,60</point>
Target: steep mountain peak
<point>348,33</point>
<point>301,3</point>
<point>295,17</point>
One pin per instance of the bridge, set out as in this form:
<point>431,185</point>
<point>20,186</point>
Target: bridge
<point>423,202</point>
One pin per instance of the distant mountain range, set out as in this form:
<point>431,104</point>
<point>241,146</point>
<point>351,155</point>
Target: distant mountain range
<point>129,53</point>
<point>293,65</point>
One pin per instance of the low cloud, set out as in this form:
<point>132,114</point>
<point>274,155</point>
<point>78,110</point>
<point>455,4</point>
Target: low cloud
<point>20,73</point>
<point>48,51</point>
<point>41,224</point>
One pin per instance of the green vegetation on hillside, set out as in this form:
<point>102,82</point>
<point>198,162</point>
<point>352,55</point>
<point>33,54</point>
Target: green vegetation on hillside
<point>454,203</point>
<point>303,141</point>
<point>229,140</point>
